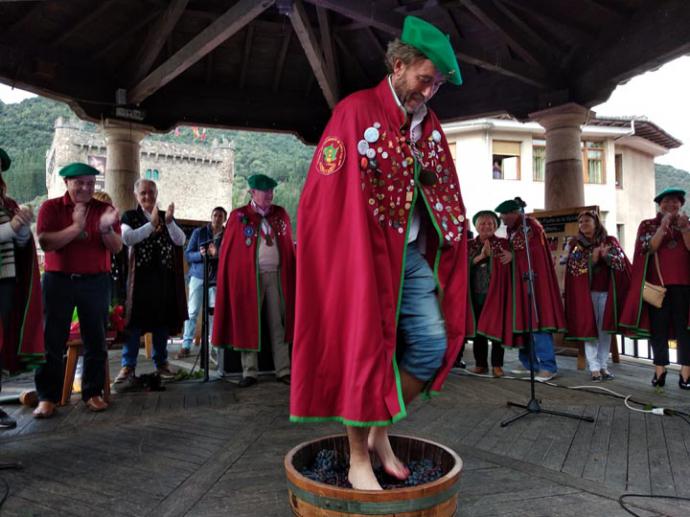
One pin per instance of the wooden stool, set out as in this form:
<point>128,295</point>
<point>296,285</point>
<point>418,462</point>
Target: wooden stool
<point>73,353</point>
<point>148,344</point>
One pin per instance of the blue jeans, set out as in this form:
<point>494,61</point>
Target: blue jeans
<point>421,322</point>
<point>130,349</point>
<point>196,291</point>
<point>545,359</point>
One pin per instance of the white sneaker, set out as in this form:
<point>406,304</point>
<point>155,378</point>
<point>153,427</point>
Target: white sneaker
<point>519,371</point>
<point>544,376</point>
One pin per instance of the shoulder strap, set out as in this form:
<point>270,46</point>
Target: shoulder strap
<point>658,269</point>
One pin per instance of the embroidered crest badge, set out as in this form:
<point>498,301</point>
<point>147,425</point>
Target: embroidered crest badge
<point>331,155</point>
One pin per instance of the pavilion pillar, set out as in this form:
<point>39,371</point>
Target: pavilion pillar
<point>122,140</point>
<point>564,180</point>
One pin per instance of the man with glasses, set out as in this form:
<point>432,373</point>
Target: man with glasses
<point>382,256</point>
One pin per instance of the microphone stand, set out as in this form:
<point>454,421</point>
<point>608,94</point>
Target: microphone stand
<point>533,406</point>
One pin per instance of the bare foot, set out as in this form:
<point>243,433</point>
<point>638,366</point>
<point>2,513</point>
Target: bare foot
<point>378,441</point>
<point>361,476</point>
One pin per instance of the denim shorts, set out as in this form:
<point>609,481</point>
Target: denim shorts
<point>420,321</point>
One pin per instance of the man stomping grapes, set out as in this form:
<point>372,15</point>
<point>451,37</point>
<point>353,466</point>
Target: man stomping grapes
<point>381,256</point>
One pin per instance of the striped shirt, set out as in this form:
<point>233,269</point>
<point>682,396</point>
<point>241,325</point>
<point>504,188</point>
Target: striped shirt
<point>8,238</point>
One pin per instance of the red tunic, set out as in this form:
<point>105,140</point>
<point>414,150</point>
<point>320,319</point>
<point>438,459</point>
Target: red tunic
<point>673,260</point>
<point>549,316</point>
<point>495,321</point>
<point>22,343</point>
<point>579,276</point>
<point>237,320</point>
<point>353,223</point>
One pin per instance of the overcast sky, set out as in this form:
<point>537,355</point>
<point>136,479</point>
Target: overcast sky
<point>662,96</point>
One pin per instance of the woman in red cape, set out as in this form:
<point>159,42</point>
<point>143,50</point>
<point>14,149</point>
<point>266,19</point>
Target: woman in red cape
<point>597,278</point>
<point>489,294</point>
<point>666,239</point>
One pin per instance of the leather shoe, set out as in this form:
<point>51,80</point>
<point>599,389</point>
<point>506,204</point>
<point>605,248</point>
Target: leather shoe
<point>498,371</point>
<point>247,381</point>
<point>479,370</point>
<point>285,379</point>
<point>45,409</point>
<point>96,404</point>
<point>6,421</point>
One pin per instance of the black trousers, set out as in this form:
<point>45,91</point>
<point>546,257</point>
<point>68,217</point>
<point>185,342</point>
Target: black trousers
<point>61,294</point>
<point>480,346</point>
<point>672,314</point>
<point>6,294</point>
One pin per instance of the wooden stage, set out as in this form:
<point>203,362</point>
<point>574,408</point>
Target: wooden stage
<point>214,449</point>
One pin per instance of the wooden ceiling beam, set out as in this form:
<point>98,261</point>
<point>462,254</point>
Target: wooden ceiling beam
<point>155,40</point>
<point>657,33</point>
<point>305,35</point>
<point>517,34</point>
<point>248,40</point>
<point>84,22</point>
<point>391,23</point>
<point>125,36</point>
<point>547,14</point>
<point>281,60</point>
<point>327,44</point>
<point>225,26</point>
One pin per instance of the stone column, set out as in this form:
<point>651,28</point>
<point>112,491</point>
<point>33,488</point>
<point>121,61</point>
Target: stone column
<point>122,141</point>
<point>564,181</point>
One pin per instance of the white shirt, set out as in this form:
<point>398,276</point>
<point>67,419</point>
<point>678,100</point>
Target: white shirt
<point>130,237</point>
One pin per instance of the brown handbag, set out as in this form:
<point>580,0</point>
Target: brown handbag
<point>654,294</point>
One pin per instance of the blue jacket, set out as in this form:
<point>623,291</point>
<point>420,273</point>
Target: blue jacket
<point>201,236</point>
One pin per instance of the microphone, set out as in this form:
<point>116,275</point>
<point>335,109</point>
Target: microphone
<point>520,202</point>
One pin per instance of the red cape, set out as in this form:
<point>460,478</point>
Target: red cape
<point>579,312</point>
<point>353,223</point>
<point>635,314</point>
<point>237,321</point>
<point>22,343</point>
<point>546,291</point>
<point>496,319</point>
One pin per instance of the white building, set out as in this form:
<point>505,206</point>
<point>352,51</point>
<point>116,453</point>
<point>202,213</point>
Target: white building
<point>500,158</point>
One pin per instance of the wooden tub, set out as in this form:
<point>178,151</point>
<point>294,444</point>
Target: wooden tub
<point>314,499</point>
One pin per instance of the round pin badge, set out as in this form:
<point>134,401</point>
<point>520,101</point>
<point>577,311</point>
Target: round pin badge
<point>248,241</point>
<point>371,135</point>
<point>362,147</point>
<point>436,135</point>
<point>377,125</point>
<point>371,153</point>
<point>248,231</point>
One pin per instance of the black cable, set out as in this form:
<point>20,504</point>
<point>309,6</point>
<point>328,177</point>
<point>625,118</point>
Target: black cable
<point>7,491</point>
<point>647,496</point>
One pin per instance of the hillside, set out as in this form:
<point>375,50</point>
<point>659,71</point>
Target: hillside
<point>26,132</point>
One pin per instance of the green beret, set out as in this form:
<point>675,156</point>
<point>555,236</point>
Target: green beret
<point>434,45</point>
<point>78,169</point>
<point>671,191</point>
<point>5,160</point>
<point>482,213</point>
<point>509,205</point>
<point>261,182</point>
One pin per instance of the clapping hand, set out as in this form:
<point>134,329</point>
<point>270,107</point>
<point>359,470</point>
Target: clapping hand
<point>23,217</point>
<point>486,249</point>
<point>109,217</point>
<point>79,215</point>
<point>169,213</point>
<point>212,250</point>
<point>155,217</point>
<point>683,222</point>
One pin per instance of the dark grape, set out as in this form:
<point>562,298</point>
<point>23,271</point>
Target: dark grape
<point>330,468</point>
